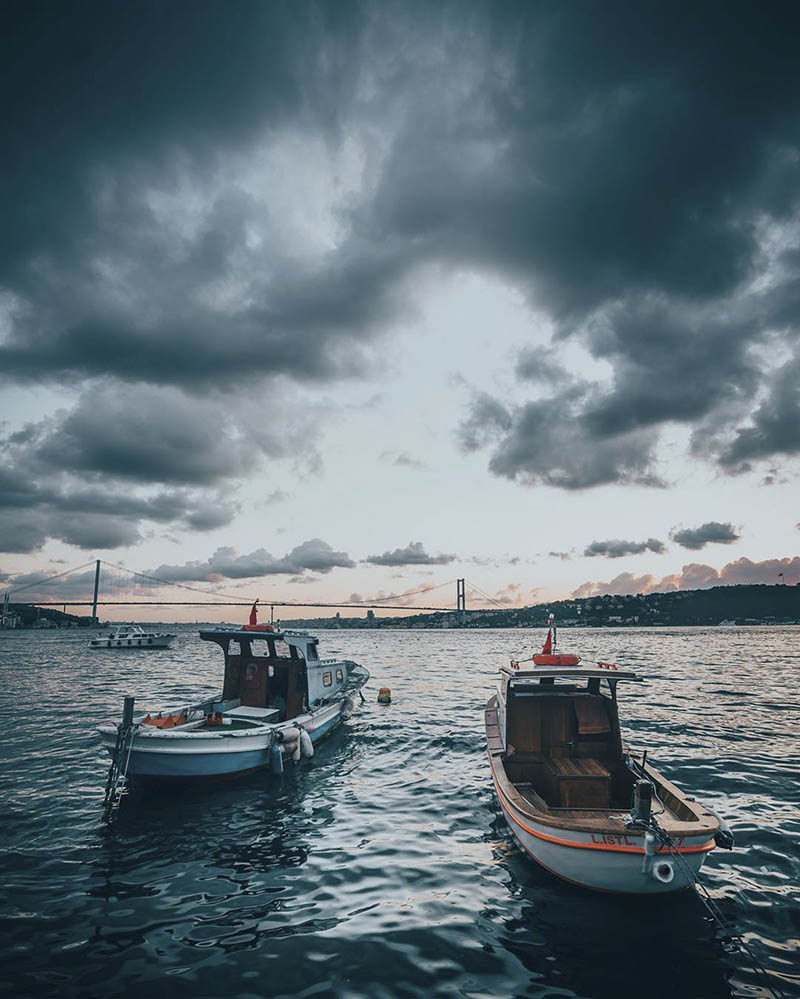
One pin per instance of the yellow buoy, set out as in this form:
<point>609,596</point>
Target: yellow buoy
<point>384,696</point>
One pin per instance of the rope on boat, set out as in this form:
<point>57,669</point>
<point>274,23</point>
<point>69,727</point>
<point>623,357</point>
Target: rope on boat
<point>731,940</point>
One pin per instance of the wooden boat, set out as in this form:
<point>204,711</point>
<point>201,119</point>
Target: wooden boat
<point>566,784</point>
<point>279,698</point>
<point>131,636</point>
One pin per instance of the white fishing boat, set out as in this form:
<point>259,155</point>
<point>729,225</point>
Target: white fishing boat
<point>575,798</point>
<point>131,636</point>
<point>278,699</point>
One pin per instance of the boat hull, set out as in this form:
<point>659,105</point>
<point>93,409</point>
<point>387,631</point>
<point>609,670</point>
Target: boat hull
<point>616,863</point>
<point>170,755</point>
<point>161,642</point>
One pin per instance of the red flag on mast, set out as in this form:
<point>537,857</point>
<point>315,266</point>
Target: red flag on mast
<point>548,645</point>
<point>254,614</point>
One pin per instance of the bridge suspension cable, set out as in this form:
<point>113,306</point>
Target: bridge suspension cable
<point>48,579</point>
<point>111,591</point>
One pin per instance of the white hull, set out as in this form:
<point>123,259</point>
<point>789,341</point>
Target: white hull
<point>187,754</point>
<point>616,863</point>
<point>145,642</point>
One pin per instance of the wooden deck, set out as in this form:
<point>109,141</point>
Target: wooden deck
<point>696,820</point>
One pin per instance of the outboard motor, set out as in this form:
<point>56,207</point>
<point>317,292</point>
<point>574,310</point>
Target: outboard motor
<point>723,837</point>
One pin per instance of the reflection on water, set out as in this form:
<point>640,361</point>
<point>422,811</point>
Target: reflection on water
<point>382,867</point>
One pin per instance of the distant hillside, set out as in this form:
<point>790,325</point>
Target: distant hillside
<point>760,604</point>
<point>32,615</point>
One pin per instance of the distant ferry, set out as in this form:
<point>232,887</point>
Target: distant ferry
<point>131,636</point>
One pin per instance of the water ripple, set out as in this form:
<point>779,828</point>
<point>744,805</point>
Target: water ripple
<point>383,867</point>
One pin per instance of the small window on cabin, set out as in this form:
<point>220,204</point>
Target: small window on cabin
<point>327,678</point>
<point>282,649</point>
<point>311,652</point>
<point>339,676</point>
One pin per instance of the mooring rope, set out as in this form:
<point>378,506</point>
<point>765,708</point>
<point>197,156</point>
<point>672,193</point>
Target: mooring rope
<point>731,937</point>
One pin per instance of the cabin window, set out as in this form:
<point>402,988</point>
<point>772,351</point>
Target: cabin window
<point>327,678</point>
<point>311,652</point>
<point>282,649</point>
<point>339,676</point>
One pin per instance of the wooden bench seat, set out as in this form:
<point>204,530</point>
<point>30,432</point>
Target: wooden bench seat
<point>577,766</point>
<point>578,782</point>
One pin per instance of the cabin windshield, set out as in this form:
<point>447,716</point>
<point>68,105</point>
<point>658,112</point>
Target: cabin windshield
<point>266,672</point>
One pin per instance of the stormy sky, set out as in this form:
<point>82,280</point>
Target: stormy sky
<point>324,300</point>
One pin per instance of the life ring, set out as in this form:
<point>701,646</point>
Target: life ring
<point>542,659</point>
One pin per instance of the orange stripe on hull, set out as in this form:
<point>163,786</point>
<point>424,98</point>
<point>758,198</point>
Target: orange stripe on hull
<point>604,847</point>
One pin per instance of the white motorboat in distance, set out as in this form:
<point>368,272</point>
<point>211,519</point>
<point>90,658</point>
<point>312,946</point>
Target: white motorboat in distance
<point>566,784</point>
<point>278,700</point>
<point>131,636</point>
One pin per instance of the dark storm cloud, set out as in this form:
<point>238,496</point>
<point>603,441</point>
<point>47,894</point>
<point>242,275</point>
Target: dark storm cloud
<point>146,435</point>
<point>314,555</point>
<point>105,82</point>
<point>102,517</point>
<point>127,455</point>
<point>667,366</point>
<point>413,554</point>
<point>774,426</point>
<point>546,442</point>
<point>118,106</point>
<point>712,532</point>
<point>618,549</point>
<point>93,477</point>
<point>625,171</point>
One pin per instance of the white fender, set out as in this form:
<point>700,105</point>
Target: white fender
<point>306,745</point>
<point>289,734</point>
<point>288,748</point>
<point>296,753</point>
<point>348,706</point>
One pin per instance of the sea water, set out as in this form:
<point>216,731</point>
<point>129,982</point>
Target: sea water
<point>383,867</point>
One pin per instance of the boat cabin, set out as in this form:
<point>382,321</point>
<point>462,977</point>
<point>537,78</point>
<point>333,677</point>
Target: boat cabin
<point>560,735</point>
<point>275,669</point>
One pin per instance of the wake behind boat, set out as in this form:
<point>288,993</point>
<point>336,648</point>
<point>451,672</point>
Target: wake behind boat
<point>131,636</point>
<point>575,798</point>
<point>279,698</point>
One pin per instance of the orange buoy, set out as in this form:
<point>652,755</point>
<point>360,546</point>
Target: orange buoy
<point>555,660</point>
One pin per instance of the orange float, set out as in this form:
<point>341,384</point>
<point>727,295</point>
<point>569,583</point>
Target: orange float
<point>544,659</point>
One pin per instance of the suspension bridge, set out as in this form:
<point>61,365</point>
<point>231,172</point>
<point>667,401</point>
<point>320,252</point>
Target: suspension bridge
<point>103,584</point>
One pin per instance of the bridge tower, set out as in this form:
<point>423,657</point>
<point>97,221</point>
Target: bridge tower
<point>461,599</point>
<point>96,587</point>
